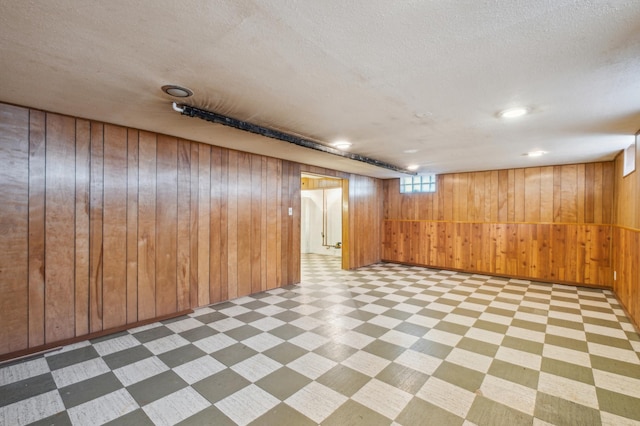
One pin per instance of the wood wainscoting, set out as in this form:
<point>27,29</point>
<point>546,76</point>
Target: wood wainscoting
<point>627,267</point>
<point>564,253</point>
<point>544,223</point>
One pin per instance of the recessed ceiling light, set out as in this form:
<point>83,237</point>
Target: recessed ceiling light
<point>513,112</point>
<point>413,167</point>
<point>342,144</point>
<point>410,151</point>
<point>535,153</point>
<point>177,91</point>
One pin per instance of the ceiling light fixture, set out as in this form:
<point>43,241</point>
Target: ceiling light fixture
<point>177,91</point>
<point>535,153</point>
<point>413,167</point>
<point>342,144</point>
<point>513,112</point>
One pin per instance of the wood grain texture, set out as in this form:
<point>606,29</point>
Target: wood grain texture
<point>114,278</point>
<point>83,164</point>
<point>626,236</point>
<point>513,204</point>
<point>133,225</point>
<point>204,224</point>
<point>184,221</point>
<point>147,151</point>
<point>95,227</point>
<point>166,225</point>
<point>37,193</point>
<point>59,228</point>
<point>566,253</point>
<point>575,193</point>
<point>14,223</point>
<point>215,247</point>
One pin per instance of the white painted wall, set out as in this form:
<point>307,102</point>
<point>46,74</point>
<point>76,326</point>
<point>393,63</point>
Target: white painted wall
<point>311,226</point>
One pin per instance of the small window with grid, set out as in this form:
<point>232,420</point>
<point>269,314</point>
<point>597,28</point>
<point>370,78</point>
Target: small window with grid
<point>423,183</point>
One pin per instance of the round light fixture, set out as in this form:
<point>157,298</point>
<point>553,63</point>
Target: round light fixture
<point>535,153</point>
<point>513,112</point>
<point>342,144</point>
<point>177,91</point>
<point>413,167</point>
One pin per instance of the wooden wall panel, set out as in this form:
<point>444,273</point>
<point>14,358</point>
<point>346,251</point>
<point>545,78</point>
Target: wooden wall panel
<point>243,231</point>
<point>37,192</point>
<point>147,152</point>
<point>215,235</point>
<point>114,276</point>
<point>515,203</point>
<point>14,223</point>
<point>626,240</point>
<point>550,252</point>
<point>59,228</point>
<point>95,227</point>
<point>83,162</point>
<point>183,257</point>
<point>575,193</point>
<point>204,224</point>
<point>132,225</point>
<point>166,225</point>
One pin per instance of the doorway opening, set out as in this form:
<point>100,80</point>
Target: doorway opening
<point>322,217</point>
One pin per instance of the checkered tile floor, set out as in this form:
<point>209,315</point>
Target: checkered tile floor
<point>385,344</point>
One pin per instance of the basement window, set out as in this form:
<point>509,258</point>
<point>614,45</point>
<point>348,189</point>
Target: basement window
<point>423,183</point>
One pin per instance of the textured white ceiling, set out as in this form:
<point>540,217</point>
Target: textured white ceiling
<point>390,76</point>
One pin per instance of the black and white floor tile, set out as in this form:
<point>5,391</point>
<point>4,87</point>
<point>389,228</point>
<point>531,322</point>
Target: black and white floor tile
<point>382,345</point>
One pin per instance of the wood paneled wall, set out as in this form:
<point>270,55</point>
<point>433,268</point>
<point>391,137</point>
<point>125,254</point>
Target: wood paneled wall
<point>576,193</point>
<point>102,226</point>
<point>626,237</point>
<point>362,216</point>
<point>546,223</point>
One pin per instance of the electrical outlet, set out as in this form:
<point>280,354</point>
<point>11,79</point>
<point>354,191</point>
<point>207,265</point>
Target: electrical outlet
<point>290,211</point>
<point>615,276</point>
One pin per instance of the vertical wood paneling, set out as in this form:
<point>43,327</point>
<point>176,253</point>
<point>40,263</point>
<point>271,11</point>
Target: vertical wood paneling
<point>546,194</point>
<point>215,283</point>
<point>204,225</point>
<point>531,192</point>
<point>36,226</point>
<point>224,220</point>
<point>502,223</point>
<point>256,223</point>
<point>114,278</point>
<point>95,227</point>
<point>232,226</point>
<point>147,151</point>
<point>195,217</point>
<point>14,222</point>
<point>59,228</point>
<point>184,221</point>
<point>243,212</point>
<point>83,161</point>
<point>166,225</point>
<point>132,226</point>
<point>626,237</point>
<point>264,216</point>
<point>272,222</point>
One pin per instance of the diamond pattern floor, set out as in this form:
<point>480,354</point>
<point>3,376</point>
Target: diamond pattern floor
<point>385,344</point>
